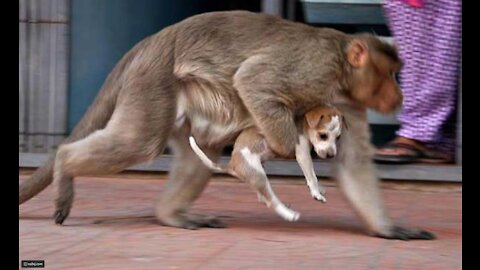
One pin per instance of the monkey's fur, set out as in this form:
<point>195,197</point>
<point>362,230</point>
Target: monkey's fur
<point>213,75</point>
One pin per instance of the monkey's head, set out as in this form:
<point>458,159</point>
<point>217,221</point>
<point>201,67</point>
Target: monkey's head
<point>323,126</point>
<point>372,65</point>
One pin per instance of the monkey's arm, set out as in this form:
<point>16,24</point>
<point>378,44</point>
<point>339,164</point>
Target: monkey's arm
<point>277,125</point>
<point>356,175</point>
<point>304,160</point>
<point>260,88</point>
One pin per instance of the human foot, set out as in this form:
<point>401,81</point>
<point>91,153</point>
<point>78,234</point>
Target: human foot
<point>403,150</point>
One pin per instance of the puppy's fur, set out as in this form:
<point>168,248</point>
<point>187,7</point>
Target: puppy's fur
<point>321,127</point>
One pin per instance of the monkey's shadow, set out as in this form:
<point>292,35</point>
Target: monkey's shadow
<point>255,223</point>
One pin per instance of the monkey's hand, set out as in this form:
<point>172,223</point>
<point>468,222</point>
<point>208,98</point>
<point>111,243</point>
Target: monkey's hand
<point>397,232</point>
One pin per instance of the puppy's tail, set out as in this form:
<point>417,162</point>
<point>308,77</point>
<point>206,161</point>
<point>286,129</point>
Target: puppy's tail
<point>208,162</point>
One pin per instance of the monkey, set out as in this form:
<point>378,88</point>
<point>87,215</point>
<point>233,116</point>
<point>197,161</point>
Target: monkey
<point>212,75</point>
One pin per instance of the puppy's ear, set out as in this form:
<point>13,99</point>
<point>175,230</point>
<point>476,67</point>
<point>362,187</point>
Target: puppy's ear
<point>341,116</point>
<point>313,118</point>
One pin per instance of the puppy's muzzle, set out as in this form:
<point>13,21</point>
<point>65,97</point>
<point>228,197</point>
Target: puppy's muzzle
<point>326,154</point>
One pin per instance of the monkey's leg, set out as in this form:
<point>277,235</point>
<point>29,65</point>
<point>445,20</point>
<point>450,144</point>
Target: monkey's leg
<point>101,152</point>
<point>188,178</point>
<point>356,175</point>
<point>249,168</point>
<point>137,132</point>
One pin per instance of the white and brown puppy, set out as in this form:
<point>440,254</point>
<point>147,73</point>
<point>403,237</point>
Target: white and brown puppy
<point>321,127</point>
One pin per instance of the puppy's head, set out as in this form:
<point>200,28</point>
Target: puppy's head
<point>323,126</point>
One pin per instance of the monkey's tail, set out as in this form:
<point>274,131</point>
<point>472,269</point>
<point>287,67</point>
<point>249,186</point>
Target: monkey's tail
<point>96,117</point>
<point>207,161</point>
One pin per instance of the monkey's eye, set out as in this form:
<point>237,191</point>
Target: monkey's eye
<point>323,136</point>
<point>395,75</point>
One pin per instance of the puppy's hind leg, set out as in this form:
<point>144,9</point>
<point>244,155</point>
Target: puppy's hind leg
<point>249,168</point>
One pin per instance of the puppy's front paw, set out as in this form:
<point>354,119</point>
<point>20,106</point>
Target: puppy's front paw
<point>319,197</point>
<point>318,194</point>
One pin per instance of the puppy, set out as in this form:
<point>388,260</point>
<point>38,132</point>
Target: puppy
<point>320,127</point>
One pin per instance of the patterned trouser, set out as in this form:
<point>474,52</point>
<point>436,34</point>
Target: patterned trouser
<point>429,42</point>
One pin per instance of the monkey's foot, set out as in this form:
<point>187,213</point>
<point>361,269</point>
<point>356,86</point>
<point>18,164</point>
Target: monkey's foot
<point>401,233</point>
<point>60,215</point>
<point>205,221</point>
<point>62,209</point>
<point>191,221</point>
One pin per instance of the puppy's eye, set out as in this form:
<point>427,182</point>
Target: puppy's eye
<point>323,136</point>
<point>338,138</point>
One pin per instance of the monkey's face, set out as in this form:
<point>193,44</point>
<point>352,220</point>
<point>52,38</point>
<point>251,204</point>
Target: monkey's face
<point>377,86</point>
<point>323,129</point>
<point>373,83</point>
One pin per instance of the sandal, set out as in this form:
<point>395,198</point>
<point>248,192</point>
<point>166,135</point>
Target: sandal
<point>413,154</point>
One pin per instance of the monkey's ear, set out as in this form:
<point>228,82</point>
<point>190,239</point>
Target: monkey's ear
<point>313,118</point>
<point>357,53</point>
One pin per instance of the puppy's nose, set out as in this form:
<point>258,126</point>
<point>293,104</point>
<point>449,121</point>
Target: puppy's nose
<point>329,155</point>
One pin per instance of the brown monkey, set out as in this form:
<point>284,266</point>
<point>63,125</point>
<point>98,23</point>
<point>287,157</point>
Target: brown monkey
<point>213,75</point>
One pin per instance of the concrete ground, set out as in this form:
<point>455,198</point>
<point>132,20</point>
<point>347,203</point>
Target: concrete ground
<point>111,226</point>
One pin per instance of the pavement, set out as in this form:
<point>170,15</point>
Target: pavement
<point>111,226</point>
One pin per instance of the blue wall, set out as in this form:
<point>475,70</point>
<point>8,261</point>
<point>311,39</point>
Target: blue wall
<point>103,30</point>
